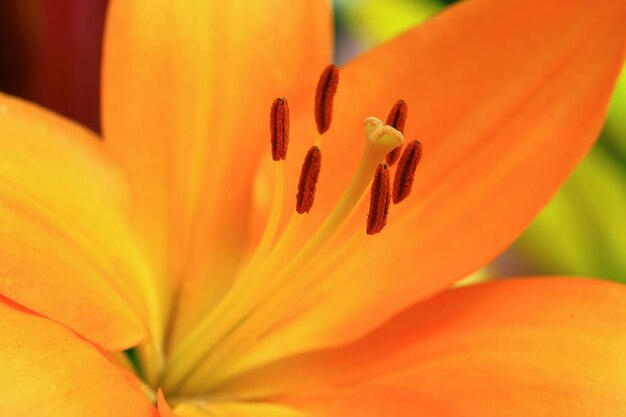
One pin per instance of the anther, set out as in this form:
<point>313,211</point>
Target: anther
<point>379,201</point>
<point>397,120</point>
<point>279,128</point>
<point>405,173</point>
<point>308,180</point>
<point>324,96</point>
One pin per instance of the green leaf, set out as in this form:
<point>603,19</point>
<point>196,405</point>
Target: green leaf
<point>616,122</point>
<point>583,230</point>
<point>375,21</point>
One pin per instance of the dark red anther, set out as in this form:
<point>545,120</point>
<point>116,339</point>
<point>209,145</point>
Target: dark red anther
<point>324,96</point>
<point>379,201</point>
<point>393,156</point>
<point>308,180</point>
<point>405,173</point>
<point>279,128</point>
<point>397,120</point>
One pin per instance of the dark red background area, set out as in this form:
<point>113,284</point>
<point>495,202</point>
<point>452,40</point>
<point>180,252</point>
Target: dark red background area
<point>50,53</point>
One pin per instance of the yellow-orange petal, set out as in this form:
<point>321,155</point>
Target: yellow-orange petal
<point>536,347</point>
<point>187,88</point>
<point>374,401</point>
<point>506,98</point>
<point>164,408</point>
<point>199,408</point>
<point>218,408</point>
<point>47,370</point>
<point>64,246</point>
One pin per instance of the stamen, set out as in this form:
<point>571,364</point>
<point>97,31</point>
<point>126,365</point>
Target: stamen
<point>397,120</point>
<point>405,173</point>
<point>379,201</point>
<point>324,96</point>
<point>308,180</point>
<point>279,128</point>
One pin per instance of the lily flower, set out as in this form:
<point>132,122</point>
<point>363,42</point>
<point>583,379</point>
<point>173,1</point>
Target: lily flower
<point>249,283</point>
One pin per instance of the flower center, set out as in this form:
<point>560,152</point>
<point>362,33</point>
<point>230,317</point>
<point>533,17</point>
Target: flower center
<point>278,267</point>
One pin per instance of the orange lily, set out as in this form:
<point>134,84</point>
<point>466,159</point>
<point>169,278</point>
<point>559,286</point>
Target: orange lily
<point>156,237</point>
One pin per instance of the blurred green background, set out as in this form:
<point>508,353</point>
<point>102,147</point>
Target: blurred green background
<point>50,49</point>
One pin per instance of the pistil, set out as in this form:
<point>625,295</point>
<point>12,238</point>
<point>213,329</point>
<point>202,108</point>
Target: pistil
<point>380,139</point>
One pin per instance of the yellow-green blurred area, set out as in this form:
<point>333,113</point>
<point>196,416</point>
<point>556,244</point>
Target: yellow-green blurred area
<point>582,231</point>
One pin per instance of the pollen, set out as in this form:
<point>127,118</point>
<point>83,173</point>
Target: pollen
<point>324,97</point>
<point>308,180</point>
<point>405,172</point>
<point>379,201</point>
<point>279,129</point>
<point>396,119</point>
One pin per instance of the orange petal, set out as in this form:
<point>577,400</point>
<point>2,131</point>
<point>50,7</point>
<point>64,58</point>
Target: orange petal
<point>198,408</point>
<point>506,98</point>
<point>187,94</point>
<point>65,250</point>
<point>375,401</point>
<point>164,408</point>
<point>233,409</point>
<point>521,347</point>
<point>48,371</point>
